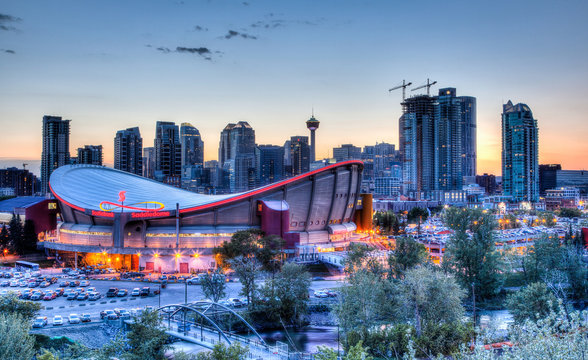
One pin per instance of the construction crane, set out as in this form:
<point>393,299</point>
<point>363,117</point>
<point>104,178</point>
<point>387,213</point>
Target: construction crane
<point>427,85</point>
<point>24,166</point>
<point>403,86</point>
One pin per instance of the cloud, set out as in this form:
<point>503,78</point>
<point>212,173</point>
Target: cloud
<point>268,24</point>
<point>206,53</point>
<point>233,33</point>
<point>245,3</point>
<point>8,51</point>
<point>6,21</point>
<point>200,28</point>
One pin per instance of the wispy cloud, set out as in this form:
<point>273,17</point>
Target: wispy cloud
<point>232,33</point>
<point>7,21</point>
<point>200,28</point>
<point>8,51</point>
<point>205,52</point>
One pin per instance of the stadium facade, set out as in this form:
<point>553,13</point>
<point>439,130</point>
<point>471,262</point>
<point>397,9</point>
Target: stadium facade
<point>111,216</point>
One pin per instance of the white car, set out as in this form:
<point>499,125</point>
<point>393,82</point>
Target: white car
<point>136,292</point>
<point>321,294</point>
<point>57,320</point>
<point>193,281</point>
<point>74,319</point>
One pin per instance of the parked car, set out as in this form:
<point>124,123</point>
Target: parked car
<point>108,314</point>
<point>72,296</point>
<point>49,296</point>
<point>63,283</point>
<point>74,319</point>
<point>93,296</point>
<point>84,283</point>
<point>145,291</point>
<point>193,281</point>
<point>5,283</point>
<point>40,321</point>
<point>124,314</point>
<point>57,320</point>
<point>82,296</point>
<point>45,284</point>
<point>112,292</point>
<point>320,294</point>
<point>122,293</point>
<point>74,283</point>
<point>235,302</point>
<point>85,318</point>
<point>136,292</point>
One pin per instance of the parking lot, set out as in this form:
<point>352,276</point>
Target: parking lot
<point>174,293</point>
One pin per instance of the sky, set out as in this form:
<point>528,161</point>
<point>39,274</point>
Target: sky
<point>108,65</point>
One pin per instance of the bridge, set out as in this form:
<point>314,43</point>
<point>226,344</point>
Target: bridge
<point>207,323</point>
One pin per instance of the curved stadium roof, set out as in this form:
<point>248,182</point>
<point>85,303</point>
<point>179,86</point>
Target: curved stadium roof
<point>85,187</point>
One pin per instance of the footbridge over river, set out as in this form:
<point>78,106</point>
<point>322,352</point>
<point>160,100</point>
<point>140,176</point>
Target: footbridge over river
<point>207,323</point>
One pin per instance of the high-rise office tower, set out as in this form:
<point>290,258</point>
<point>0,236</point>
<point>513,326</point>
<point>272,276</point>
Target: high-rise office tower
<point>192,146</point>
<point>312,124</point>
<point>548,177</point>
<point>417,144</point>
<point>299,154</point>
<point>448,141</point>
<point>469,127</point>
<point>149,162</point>
<point>168,154</point>
<point>269,164</point>
<point>520,156</point>
<point>385,155</point>
<point>237,156</point>
<point>55,147</point>
<point>346,152</point>
<point>90,154</point>
<point>128,151</point>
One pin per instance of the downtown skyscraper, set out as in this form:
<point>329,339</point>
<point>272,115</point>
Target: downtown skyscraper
<point>237,156</point>
<point>437,142</point>
<point>520,153</point>
<point>90,154</point>
<point>168,154</point>
<point>192,146</point>
<point>128,151</point>
<point>55,147</point>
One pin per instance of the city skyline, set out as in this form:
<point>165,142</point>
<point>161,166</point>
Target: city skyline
<point>138,70</point>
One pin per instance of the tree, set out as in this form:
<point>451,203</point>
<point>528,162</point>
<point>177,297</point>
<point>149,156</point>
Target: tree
<point>362,256</point>
<point>15,341</point>
<point>533,302</point>
<point>418,215</point>
<point>432,297</point>
<point>29,236</point>
<point>4,238</point>
<point>355,352</point>
<point>11,304</point>
<point>269,253</point>
<point>287,294</point>
<point>387,222</point>
<point>407,254</point>
<point>235,351</point>
<point>146,338</point>
<point>214,285</point>
<point>15,226</point>
<point>570,213</point>
<point>247,269</point>
<point>546,218</point>
<point>243,243</point>
<point>471,252</point>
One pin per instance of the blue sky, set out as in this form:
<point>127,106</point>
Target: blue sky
<point>108,65</point>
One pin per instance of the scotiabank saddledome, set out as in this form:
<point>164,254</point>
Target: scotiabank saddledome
<point>114,217</point>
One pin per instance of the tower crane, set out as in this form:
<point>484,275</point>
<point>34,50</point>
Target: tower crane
<point>403,86</point>
<point>24,166</point>
<point>427,85</point>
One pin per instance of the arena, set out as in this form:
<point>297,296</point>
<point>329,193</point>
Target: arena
<point>123,220</point>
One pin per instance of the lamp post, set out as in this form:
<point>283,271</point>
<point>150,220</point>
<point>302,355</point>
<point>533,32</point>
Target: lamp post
<point>159,295</point>
<point>338,340</point>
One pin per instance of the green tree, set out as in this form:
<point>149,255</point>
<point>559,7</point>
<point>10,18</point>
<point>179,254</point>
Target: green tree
<point>531,303</point>
<point>247,270</point>
<point>432,297</point>
<point>243,243</point>
<point>546,218</point>
<point>15,233</point>
<point>362,256</point>
<point>214,285</point>
<point>269,253</point>
<point>29,236</point>
<point>146,339</point>
<point>407,254</point>
<point>220,351</point>
<point>11,304</point>
<point>387,222</point>
<point>15,341</point>
<point>287,294</point>
<point>4,238</point>
<point>570,213</point>
<point>418,215</point>
<point>471,252</point>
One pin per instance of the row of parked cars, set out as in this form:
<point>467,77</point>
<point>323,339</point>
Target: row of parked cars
<point>325,293</point>
<point>42,321</point>
<point>145,291</point>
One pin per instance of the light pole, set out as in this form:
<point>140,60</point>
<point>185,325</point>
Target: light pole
<point>159,295</point>
<point>474,312</point>
<point>185,292</point>
<point>338,340</point>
